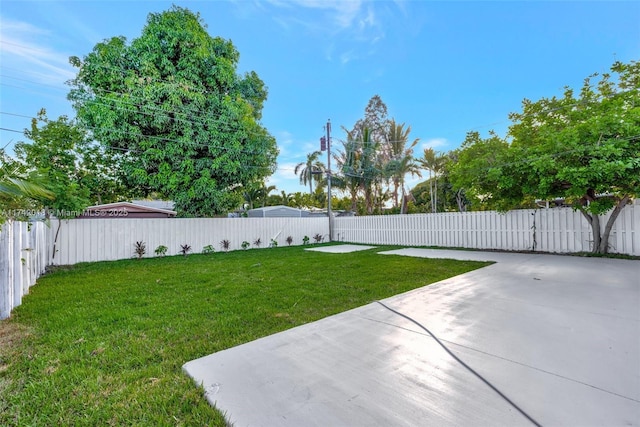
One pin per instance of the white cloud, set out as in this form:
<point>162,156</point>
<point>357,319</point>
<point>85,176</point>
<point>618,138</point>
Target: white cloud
<point>346,26</point>
<point>285,179</point>
<point>435,143</point>
<point>24,49</point>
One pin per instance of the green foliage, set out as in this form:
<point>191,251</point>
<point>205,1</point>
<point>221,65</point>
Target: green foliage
<point>310,170</point>
<point>56,147</point>
<point>582,147</point>
<point>375,160</point>
<point>161,250</point>
<point>305,240</point>
<point>208,249</point>
<point>245,245</point>
<point>185,249</point>
<point>257,194</point>
<point>273,243</point>
<point>171,100</point>
<point>140,248</point>
<point>102,344</point>
<point>479,172</point>
<point>20,190</point>
<point>74,171</point>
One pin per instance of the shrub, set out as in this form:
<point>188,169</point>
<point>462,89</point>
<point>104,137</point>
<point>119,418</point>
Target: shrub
<point>317,238</point>
<point>245,245</point>
<point>161,250</point>
<point>289,240</point>
<point>273,243</point>
<point>257,242</point>
<point>140,249</point>
<point>225,245</point>
<point>185,249</point>
<point>208,249</point>
<point>305,240</point>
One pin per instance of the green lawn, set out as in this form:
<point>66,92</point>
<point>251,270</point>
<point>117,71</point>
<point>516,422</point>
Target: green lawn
<point>104,343</point>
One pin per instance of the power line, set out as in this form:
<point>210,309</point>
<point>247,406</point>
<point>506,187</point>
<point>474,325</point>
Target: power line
<point>182,110</point>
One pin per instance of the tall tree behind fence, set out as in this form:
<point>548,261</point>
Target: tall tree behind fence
<point>24,256</point>
<point>559,230</point>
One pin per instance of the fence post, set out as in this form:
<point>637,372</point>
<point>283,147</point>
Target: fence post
<point>6,277</point>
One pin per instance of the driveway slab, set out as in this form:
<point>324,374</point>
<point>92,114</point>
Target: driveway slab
<point>559,336</point>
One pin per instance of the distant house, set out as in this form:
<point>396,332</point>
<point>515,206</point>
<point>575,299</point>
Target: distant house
<point>280,211</point>
<point>126,210</point>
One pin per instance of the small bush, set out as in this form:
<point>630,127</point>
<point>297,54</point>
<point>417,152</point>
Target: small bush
<point>245,245</point>
<point>161,250</point>
<point>140,249</point>
<point>185,249</point>
<point>208,249</point>
<point>289,240</point>
<point>225,245</point>
<point>273,243</point>
<point>257,242</point>
<point>305,240</point>
<point>317,238</point>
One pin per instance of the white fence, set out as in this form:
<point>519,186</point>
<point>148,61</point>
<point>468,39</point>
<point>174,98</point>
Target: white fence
<point>26,250</point>
<point>560,230</point>
<point>82,240</point>
<point>24,255</point>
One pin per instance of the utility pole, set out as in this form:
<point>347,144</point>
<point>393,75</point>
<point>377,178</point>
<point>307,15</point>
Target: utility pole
<point>326,144</point>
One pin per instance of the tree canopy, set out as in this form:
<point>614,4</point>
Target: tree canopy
<point>582,147</point>
<point>171,101</point>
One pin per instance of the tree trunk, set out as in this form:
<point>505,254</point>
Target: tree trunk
<point>461,206</point>
<point>354,201</point>
<point>435,192</point>
<point>431,191</point>
<point>594,222</point>
<point>395,192</point>
<point>55,240</point>
<point>604,241</point>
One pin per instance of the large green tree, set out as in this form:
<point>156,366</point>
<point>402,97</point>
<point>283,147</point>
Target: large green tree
<point>73,168</point>
<point>54,152</point>
<point>582,147</point>
<point>172,102</point>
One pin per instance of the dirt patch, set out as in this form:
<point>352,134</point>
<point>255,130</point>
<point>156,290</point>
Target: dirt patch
<point>11,335</point>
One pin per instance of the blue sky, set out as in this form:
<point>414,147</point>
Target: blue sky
<point>443,68</point>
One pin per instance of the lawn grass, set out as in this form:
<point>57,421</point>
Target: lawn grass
<point>104,343</point>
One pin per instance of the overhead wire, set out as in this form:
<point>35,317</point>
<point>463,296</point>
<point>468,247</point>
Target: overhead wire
<point>196,119</point>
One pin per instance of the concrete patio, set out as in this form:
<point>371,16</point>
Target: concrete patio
<point>559,336</point>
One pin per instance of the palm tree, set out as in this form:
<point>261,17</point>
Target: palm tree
<point>434,163</point>
<point>257,195</point>
<point>308,169</point>
<point>348,161</point>
<point>404,166</point>
<point>18,188</point>
<point>401,157</point>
